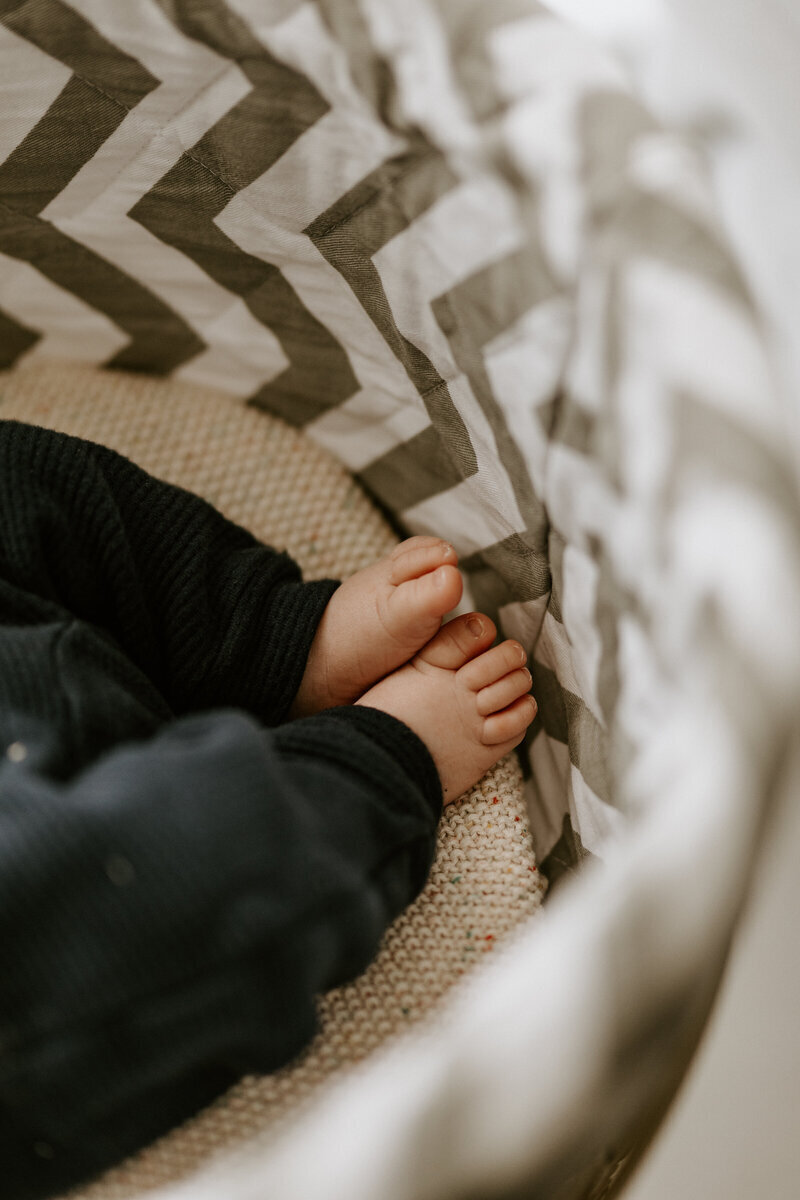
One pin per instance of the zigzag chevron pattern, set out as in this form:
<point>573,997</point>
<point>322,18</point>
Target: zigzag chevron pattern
<point>282,104</point>
<point>83,115</point>
<point>437,263</point>
<point>443,237</point>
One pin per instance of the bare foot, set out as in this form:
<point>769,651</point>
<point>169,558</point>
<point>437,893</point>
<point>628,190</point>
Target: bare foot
<point>377,620</point>
<point>468,703</point>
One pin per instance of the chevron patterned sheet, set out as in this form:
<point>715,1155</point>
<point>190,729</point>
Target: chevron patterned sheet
<point>446,239</point>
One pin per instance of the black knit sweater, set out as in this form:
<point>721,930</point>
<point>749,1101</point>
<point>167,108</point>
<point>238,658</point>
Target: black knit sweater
<point>180,871</point>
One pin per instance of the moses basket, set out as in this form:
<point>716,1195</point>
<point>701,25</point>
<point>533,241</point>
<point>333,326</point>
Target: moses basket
<point>443,242</point>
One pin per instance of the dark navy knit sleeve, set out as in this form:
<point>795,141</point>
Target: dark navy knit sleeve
<point>180,874</point>
<point>168,916</point>
<point>211,616</point>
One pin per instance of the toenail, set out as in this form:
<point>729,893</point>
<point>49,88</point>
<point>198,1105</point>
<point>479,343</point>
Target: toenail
<point>522,655</point>
<point>475,626</point>
<point>448,551</point>
<point>533,704</point>
<point>527,672</point>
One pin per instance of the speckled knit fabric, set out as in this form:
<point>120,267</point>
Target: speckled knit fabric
<point>484,883</point>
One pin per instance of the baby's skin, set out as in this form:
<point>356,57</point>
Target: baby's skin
<point>377,620</point>
<point>381,643</point>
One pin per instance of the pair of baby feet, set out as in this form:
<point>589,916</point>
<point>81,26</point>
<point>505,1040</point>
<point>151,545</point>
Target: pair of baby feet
<point>381,643</point>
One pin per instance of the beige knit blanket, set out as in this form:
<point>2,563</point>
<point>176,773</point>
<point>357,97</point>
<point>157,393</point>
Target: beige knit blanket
<point>484,882</point>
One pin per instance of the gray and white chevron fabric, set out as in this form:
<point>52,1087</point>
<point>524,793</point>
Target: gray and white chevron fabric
<point>446,239</point>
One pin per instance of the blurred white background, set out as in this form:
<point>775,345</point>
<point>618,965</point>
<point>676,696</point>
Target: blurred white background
<point>731,68</point>
<point>734,1131</point>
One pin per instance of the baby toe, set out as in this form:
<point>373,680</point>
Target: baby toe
<point>504,692</point>
<point>417,556</point>
<point>509,724</point>
<point>493,665</point>
<point>417,606</point>
<point>458,641</point>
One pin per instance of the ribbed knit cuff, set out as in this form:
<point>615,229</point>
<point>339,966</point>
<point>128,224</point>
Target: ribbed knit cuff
<point>288,626</point>
<point>324,735</point>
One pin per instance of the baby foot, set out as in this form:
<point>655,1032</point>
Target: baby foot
<point>468,703</point>
<point>377,620</point>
